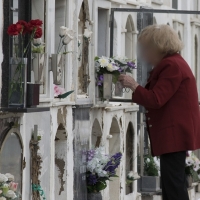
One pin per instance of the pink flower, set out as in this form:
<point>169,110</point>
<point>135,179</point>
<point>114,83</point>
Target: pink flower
<point>13,186</point>
<point>58,90</point>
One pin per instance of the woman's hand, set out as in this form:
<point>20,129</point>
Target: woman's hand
<point>128,81</point>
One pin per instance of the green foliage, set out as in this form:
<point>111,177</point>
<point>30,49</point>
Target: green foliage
<point>62,96</point>
<point>38,49</point>
<point>150,167</point>
<point>97,187</point>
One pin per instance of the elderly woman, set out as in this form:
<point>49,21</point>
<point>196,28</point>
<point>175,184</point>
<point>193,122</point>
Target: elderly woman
<point>171,101</point>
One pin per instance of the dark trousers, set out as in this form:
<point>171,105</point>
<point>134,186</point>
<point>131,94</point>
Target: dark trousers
<point>173,177</point>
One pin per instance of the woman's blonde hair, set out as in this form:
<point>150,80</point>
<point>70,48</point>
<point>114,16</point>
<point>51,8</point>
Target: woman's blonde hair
<point>162,37</point>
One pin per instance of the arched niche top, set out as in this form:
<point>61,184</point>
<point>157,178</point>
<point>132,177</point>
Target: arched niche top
<point>114,128</point>
<point>96,134</point>
<point>96,128</point>
<point>84,7</point>
<point>130,24</point>
<point>61,133</point>
<point>130,125</point>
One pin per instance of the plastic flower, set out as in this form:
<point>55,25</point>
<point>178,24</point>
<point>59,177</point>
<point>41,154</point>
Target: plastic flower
<point>10,177</point>
<point>67,39</point>
<point>189,161</point>
<point>103,61</point>
<point>63,31</point>
<point>15,29</point>
<point>110,67</point>
<point>37,41</point>
<point>3,178</point>
<point>87,33</point>
<point>133,175</point>
<point>100,80</point>
<point>58,90</point>
<point>13,186</point>
<point>92,179</point>
<point>132,65</point>
<point>11,194</point>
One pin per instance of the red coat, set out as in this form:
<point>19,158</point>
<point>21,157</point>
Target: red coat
<point>172,111</point>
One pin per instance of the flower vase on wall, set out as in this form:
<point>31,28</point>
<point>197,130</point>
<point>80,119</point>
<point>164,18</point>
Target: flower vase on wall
<point>94,196</point>
<point>107,86</point>
<point>38,67</point>
<point>58,63</point>
<point>118,89</point>
<point>17,82</point>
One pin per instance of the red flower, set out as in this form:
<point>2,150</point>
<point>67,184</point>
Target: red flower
<point>36,22</point>
<point>24,25</point>
<point>15,29</point>
<point>38,33</point>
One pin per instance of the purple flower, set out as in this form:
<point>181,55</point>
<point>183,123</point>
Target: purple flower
<point>90,154</point>
<point>92,179</point>
<point>100,80</point>
<point>132,65</point>
<point>113,164</point>
<point>120,70</point>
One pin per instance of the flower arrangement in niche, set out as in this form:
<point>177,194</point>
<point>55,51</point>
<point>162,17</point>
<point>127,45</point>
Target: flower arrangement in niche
<point>100,168</point>
<point>151,166</point>
<point>20,32</point>
<point>192,167</point>
<point>66,35</point>
<point>114,66</point>
<point>8,188</point>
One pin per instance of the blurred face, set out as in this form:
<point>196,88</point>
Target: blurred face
<point>149,54</point>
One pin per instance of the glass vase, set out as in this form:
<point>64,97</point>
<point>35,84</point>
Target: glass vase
<point>118,89</point>
<point>94,196</point>
<point>57,66</point>
<point>38,67</point>
<point>17,82</point>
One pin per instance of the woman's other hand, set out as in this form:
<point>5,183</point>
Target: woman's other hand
<point>128,81</point>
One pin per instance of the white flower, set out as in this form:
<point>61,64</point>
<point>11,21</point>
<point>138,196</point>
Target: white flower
<point>87,34</point>
<point>133,175</point>
<point>189,161</point>
<point>110,67</point>
<point>67,39</point>
<point>10,177</point>
<point>37,41</point>
<point>63,31</point>
<point>148,160</point>
<point>103,61</point>
<point>157,162</point>
<point>11,194</point>
<point>3,178</point>
<point>2,198</point>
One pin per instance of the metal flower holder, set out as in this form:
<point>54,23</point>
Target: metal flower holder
<point>38,67</point>
<point>17,82</point>
<point>107,86</point>
<point>58,63</point>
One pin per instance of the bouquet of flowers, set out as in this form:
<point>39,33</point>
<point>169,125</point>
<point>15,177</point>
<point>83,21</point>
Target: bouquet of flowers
<point>192,167</point>
<point>21,32</point>
<point>114,66</point>
<point>151,166</point>
<point>100,168</point>
<point>8,188</point>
